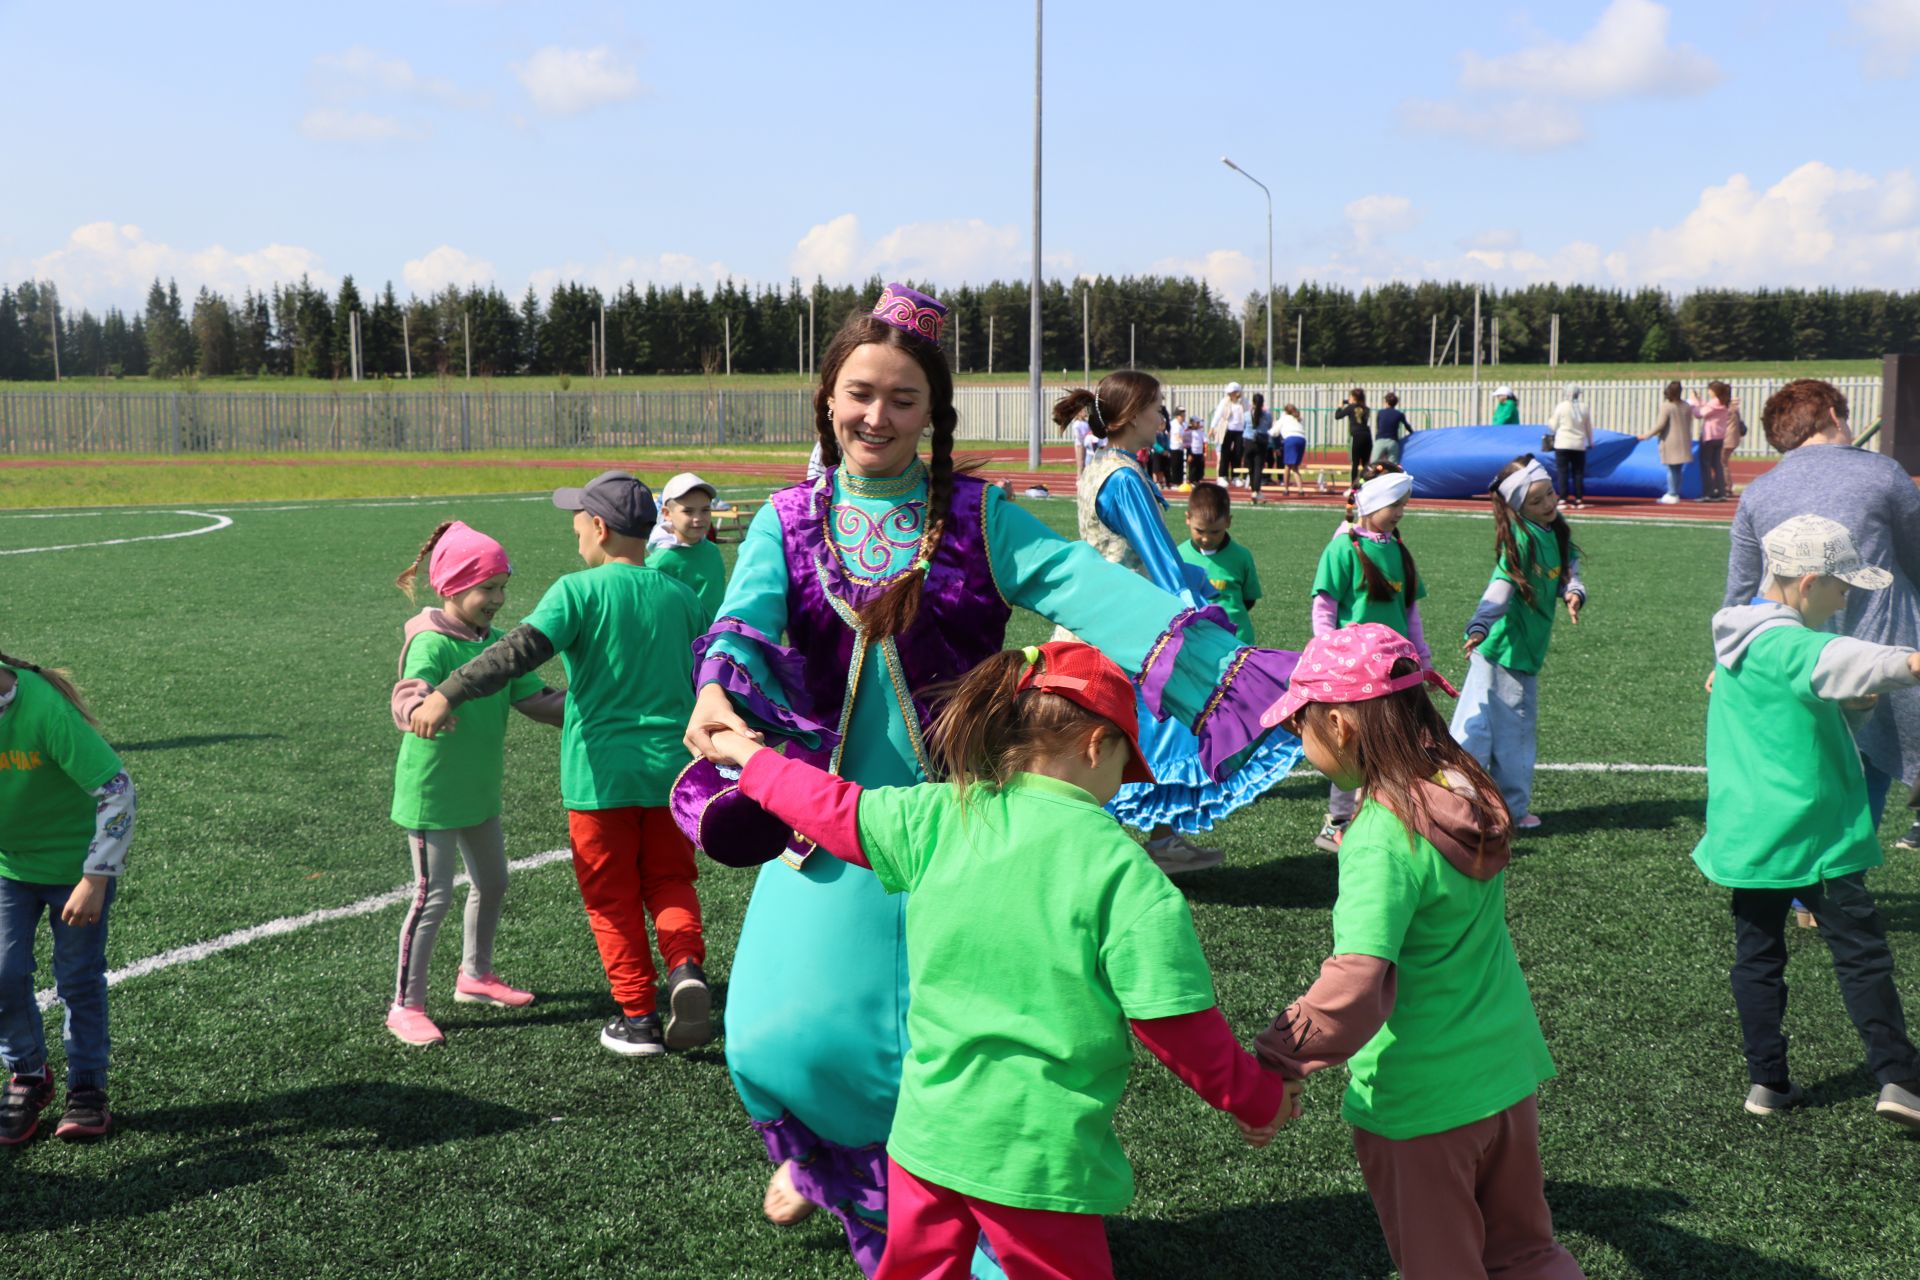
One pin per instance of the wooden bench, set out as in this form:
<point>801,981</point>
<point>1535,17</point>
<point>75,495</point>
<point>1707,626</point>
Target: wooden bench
<point>734,517</point>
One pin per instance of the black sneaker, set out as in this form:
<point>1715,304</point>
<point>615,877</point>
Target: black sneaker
<point>1911,840</point>
<point>20,1107</point>
<point>634,1037</point>
<point>87,1116</point>
<point>689,1007</point>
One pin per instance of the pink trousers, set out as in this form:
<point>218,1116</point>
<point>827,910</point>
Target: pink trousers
<point>932,1232</point>
<point>1467,1203</point>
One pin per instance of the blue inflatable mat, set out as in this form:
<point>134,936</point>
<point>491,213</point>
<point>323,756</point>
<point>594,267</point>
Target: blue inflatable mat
<point>1460,462</point>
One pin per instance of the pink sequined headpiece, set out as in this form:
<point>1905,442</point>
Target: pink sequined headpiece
<point>911,310</point>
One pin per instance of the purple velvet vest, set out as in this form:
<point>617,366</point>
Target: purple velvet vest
<point>962,619</point>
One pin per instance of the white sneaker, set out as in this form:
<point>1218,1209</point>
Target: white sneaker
<point>1668,500</point>
<point>1174,855</point>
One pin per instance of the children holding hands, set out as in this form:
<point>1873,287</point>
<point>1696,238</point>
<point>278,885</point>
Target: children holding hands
<point>1038,935</point>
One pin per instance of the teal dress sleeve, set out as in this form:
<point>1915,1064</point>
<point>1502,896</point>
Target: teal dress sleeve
<point>756,597</point>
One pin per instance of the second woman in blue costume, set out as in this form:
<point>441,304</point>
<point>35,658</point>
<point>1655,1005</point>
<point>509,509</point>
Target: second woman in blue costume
<point>1120,517</point>
<point>885,576</point>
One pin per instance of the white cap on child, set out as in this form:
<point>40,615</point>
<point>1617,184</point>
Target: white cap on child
<point>1382,491</point>
<point>1815,544</point>
<point>684,483</point>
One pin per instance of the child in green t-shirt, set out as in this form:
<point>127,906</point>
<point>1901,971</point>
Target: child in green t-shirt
<point>1423,997</point>
<point>446,790</point>
<point>1228,565</point>
<point>1538,566</point>
<point>1038,934</point>
<point>66,820</point>
<point>679,546</point>
<point>625,633</point>
<point>1787,813</point>
<point>1366,574</point>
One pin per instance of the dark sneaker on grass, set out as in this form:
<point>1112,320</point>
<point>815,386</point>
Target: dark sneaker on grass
<point>1911,840</point>
<point>634,1037</point>
<point>20,1107</point>
<point>689,1008</point>
<point>86,1117</point>
<point>1762,1101</point>
<point>1900,1103</point>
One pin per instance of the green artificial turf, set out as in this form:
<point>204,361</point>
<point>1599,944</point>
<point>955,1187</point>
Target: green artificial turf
<point>272,1127</point>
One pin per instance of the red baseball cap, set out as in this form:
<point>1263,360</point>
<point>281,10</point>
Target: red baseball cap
<point>1089,679</point>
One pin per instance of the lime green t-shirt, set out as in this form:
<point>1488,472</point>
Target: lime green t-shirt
<point>1518,638</point>
<point>1786,797</point>
<point>1340,576</point>
<point>51,762</point>
<point>626,635</point>
<point>1231,571</point>
<point>701,567</point>
<point>1462,1042</point>
<point>1036,928</point>
<point>454,780</point>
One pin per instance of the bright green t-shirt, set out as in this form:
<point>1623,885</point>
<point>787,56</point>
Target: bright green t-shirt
<point>1786,798</point>
<point>626,635</point>
<point>700,566</point>
<point>1340,576</point>
<point>1462,1042</point>
<point>1233,575</point>
<point>1518,638</point>
<point>1036,928</point>
<point>454,780</point>
<point>51,762</point>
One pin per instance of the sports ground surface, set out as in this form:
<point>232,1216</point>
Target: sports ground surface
<point>272,1126</point>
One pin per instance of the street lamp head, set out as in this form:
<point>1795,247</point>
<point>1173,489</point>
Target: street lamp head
<point>1230,164</point>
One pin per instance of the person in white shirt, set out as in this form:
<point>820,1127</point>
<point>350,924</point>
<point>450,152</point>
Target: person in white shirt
<point>1291,434</point>
<point>1229,431</point>
<point>1196,446</point>
<point>1572,436</point>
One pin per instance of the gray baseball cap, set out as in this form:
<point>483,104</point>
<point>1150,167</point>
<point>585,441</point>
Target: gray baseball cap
<point>620,500</point>
<point>1814,544</point>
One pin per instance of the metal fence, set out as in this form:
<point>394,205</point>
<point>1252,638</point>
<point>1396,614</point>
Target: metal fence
<point>390,420</point>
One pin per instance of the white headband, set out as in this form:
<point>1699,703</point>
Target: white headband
<point>1382,491</point>
<point>1513,490</point>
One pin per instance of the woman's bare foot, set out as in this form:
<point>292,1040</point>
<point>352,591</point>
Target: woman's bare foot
<point>784,1204</point>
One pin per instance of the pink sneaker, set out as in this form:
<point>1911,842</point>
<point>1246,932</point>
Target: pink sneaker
<point>490,990</point>
<point>1529,823</point>
<point>413,1026</point>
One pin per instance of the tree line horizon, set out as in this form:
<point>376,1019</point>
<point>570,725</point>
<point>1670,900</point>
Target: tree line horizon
<point>301,330</point>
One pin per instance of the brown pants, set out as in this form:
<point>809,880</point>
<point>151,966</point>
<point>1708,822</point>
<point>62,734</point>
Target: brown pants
<point>1467,1203</point>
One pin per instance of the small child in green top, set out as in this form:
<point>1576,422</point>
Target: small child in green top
<point>1038,934</point>
<point>625,633</point>
<point>446,790</point>
<point>1227,564</point>
<point>66,820</point>
<point>1366,574</point>
<point>1423,997</point>
<point>679,546</point>
<point>1787,813</point>
<point>1497,719</point>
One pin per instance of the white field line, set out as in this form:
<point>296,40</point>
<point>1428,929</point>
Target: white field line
<point>219,522</point>
<point>286,924</point>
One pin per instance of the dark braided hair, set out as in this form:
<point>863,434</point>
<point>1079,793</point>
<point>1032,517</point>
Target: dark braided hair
<point>894,610</point>
<point>1378,588</point>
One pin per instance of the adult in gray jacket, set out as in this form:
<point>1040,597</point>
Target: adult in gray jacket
<point>1875,498</point>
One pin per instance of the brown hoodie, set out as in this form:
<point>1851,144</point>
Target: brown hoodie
<point>547,707</point>
<point>1353,997</point>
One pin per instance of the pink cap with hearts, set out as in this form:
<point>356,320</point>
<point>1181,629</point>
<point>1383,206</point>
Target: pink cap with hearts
<point>1351,665</point>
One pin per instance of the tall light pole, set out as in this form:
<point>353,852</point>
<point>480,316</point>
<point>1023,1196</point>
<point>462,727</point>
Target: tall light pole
<point>1263,187</point>
<point>1033,318</point>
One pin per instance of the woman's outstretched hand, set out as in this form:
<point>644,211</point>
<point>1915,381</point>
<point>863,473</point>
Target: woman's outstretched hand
<point>713,711</point>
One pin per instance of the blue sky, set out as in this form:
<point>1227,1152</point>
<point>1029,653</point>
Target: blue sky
<point>441,141</point>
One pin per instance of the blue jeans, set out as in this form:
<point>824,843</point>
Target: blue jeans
<point>79,974</point>
<point>1675,470</point>
<point>1497,721</point>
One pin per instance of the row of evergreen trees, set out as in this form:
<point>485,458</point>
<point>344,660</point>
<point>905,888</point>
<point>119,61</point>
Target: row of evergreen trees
<point>1156,321</point>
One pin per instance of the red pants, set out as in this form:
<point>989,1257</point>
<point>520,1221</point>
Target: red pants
<point>932,1233</point>
<point>1468,1202</point>
<point>633,863</point>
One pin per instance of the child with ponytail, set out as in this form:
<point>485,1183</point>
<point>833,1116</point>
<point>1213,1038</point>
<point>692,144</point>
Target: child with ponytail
<point>1367,574</point>
<point>1038,935</point>
<point>446,790</point>
<point>1422,998</point>
<point>1498,714</point>
<point>66,821</point>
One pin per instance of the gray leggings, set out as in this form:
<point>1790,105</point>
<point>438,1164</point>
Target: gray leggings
<point>437,857</point>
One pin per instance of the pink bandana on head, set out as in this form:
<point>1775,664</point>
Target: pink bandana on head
<point>1351,665</point>
<point>464,557</point>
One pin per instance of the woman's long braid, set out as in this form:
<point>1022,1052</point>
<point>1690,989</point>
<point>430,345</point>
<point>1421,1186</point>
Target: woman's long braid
<point>823,426</point>
<point>894,611</point>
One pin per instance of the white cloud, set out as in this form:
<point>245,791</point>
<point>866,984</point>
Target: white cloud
<point>361,72</point>
<point>330,124</point>
<point>956,250</point>
<point>568,81</point>
<point>443,267</point>
<point>1371,217</point>
<point>1231,273</point>
<point>615,271</point>
<point>1625,54</point>
<point>1890,30</point>
<point>111,264</point>
<point>1522,124</point>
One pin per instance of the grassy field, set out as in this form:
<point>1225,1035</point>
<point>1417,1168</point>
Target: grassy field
<point>1376,375</point>
<point>272,1127</point>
